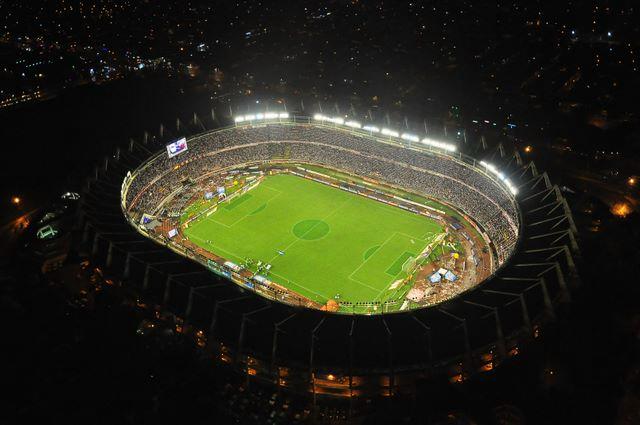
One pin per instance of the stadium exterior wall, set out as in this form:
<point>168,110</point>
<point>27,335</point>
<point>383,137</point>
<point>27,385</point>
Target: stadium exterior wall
<point>468,334</point>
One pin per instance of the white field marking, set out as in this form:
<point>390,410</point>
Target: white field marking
<point>428,235</point>
<point>228,226</point>
<point>371,256</point>
<point>412,237</point>
<point>405,213</point>
<point>284,279</point>
<point>380,247</point>
<point>355,280</point>
<point>350,277</point>
<point>386,288</point>
<point>361,283</point>
<point>414,217</point>
<point>358,281</point>
<point>393,279</point>
<point>347,201</point>
<point>216,247</point>
<point>297,239</point>
<point>296,284</point>
<point>380,292</point>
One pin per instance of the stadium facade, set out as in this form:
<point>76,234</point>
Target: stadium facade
<point>521,212</point>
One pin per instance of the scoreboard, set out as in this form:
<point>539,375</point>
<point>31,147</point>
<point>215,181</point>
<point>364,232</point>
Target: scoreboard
<point>177,147</point>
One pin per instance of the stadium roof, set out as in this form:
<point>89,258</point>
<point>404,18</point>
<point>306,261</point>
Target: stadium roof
<point>494,317</point>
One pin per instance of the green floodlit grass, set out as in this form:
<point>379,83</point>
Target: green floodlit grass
<point>199,206</point>
<point>334,242</point>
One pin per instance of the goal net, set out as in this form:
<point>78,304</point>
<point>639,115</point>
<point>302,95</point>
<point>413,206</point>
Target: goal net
<point>409,264</point>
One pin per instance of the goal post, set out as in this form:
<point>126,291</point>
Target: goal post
<point>409,264</point>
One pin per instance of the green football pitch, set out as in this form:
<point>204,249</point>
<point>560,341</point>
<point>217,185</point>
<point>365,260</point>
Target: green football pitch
<point>321,241</point>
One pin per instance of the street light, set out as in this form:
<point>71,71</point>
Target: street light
<point>528,149</point>
<point>16,200</point>
<point>631,181</point>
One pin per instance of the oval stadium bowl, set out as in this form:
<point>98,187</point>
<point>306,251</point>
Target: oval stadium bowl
<point>304,248</point>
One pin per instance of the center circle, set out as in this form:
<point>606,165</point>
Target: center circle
<point>310,230</point>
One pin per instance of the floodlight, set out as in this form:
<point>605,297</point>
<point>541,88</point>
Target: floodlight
<point>371,128</point>
<point>353,124</point>
<point>441,145</point>
<point>388,132</point>
<point>410,137</point>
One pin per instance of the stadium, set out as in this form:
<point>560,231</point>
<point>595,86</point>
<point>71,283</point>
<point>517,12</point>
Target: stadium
<point>327,256</point>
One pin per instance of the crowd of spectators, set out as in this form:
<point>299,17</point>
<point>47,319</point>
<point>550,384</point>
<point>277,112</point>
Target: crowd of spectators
<point>439,176</point>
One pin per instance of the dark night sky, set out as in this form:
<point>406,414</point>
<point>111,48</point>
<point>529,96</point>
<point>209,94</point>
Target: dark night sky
<point>78,79</point>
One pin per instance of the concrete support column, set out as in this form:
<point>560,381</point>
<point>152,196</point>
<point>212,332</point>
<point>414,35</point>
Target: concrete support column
<point>145,280</point>
<point>566,295</point>
<point>502,350</point>
<point>167,289</point>
<point>94,247</point>
<point>187,314</point>
<point>127,266</point>
<point>241,338</point>
<point>214,318</point>
<point>85,233</point>
<point>109,255</point>
<point>547,299</point>
<point>525,315</point>
<point>274,350</point>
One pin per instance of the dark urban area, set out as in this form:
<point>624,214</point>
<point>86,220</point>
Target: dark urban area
<point>510,127</point>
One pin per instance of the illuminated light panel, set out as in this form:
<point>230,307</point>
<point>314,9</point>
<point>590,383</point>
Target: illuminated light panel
<point>501,176</point>
<point>261,116</point>
<point>410,137</point>
<point>334,120</point>
<point>388,132</point>
<point>353,124</point>
<point>438,144</point>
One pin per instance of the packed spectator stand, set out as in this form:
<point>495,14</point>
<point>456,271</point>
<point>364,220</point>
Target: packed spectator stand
<point>440,176</point>
<point>375,354</point>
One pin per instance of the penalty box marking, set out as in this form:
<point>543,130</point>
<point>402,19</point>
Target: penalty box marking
<point>238,257</point>
<point>381,249</point>
<point>239,219</point>
<point>353,276</point>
